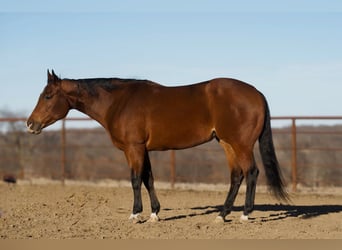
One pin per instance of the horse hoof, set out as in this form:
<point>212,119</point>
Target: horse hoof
<point>135,218</point>
<point>153,218</point>
<point>219,220</point>
<point>244,218</point>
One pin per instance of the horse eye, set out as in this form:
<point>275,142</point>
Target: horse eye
<point>47,97</point>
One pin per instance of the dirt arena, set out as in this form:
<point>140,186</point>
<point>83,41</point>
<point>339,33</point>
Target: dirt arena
<point>53,211</point>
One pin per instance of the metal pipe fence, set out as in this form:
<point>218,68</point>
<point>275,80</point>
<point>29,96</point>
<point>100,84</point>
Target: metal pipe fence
<point>299,143</point>
<point>294,143</point>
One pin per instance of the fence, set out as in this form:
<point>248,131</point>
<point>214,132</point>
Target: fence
<point>293,144</point>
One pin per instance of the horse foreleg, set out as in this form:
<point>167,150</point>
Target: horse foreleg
<point>137,203</point>
<point>135,158</point>
<point>148,180</point>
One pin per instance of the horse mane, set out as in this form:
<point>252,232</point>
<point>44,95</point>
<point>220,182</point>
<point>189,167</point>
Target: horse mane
<point>91,85</point>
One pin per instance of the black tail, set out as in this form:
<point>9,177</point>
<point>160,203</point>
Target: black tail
<point>269,159</point>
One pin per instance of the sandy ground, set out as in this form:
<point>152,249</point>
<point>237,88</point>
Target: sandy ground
<point>53,211</point>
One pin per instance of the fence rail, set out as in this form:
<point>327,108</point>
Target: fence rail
<point>293,131</point>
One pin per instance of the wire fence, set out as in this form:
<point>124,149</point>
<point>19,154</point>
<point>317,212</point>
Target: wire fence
<point>308,154</point>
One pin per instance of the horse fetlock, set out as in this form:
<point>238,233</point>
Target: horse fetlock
<point>136,218</point>
<point>153,218</point>
<point>244,218</point>
<point>219,220</point>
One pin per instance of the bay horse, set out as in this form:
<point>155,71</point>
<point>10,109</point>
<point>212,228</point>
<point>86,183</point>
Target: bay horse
<point>141,116</point>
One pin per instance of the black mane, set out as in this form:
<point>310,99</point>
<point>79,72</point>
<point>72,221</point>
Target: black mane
<point>91,85</point>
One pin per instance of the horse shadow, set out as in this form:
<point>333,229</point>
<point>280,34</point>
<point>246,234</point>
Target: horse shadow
<point>277,211</point>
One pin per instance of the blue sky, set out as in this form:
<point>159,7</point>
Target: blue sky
<point>291,52</point>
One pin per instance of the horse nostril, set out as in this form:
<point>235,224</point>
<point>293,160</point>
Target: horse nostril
<point>34,127</point>
<point>29,124</point>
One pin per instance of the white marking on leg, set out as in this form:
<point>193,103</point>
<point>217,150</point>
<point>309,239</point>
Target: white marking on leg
<point>153,218</point>
<point>244,218</point>
<point>135,218</point>
<point>219,220</point>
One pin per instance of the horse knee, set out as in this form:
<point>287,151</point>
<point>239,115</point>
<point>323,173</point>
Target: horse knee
<point>136,181</point>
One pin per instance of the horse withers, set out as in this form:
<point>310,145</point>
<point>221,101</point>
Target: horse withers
<point>141,116</point>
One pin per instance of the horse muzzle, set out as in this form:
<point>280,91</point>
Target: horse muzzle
<point>34,127</point>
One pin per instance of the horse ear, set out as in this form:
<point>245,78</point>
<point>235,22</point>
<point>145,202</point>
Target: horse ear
<point>52,77</point>
<point>49,76</point>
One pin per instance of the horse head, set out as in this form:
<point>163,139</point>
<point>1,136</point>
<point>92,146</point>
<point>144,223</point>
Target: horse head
<point>53,105</point>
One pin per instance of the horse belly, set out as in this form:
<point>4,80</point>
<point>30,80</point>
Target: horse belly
<point>178,118</point>
<point>179,133</point>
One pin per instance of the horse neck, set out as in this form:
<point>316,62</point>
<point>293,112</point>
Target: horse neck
<point>93,106</point>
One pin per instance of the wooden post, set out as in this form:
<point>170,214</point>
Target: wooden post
<point>294,155</point>
<point>63,154</point>
<point>172,168</point>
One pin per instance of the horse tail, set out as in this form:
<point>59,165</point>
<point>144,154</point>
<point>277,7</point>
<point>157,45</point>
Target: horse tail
<point>269,159</point>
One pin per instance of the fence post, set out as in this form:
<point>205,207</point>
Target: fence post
<point>294,155</point>
<point>172,168</point>
<point>63,157</point>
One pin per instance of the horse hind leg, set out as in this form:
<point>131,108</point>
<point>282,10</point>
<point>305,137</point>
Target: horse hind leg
<point>251,180</point>
<point>236,179</point>
<point>242,164</point>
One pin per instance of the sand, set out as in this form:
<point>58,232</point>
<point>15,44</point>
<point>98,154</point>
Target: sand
<point>54,211</point>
